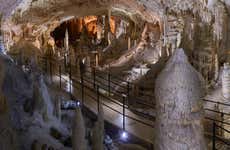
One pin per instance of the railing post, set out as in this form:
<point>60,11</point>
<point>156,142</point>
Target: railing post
<point>60,76</point>
<point>94,77</point>
<point>46,63</point>
<point>128,85</point>
<point>70,80</point>
<point>109,82</point>
<point>98,99</point>
<point>222,124</point>
<point>51,74</point>
<point>82,90</point>
<point>151,146</point>
<point>65,62</point>
<point>214,136</point>
<point>123,114</point>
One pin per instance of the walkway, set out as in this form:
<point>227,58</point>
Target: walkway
<point>114,111</point>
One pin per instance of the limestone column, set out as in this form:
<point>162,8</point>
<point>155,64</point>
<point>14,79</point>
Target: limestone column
<point>226,81</point>
<point>178,106</point>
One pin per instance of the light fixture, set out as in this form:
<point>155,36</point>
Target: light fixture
<point>78,103</point>
<point>124,135</point>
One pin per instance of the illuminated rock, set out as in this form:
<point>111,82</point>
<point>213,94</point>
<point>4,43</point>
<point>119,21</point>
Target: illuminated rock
<point>78,133</point>
<point>226,81</point>
<point>179,108</point>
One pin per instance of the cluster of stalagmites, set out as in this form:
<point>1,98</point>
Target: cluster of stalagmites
<point>30,118</point>
<point>179,108</point>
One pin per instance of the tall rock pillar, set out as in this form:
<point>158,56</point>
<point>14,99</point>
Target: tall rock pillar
<point>179,108</point>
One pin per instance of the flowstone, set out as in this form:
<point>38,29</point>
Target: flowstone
<point>179,108</point>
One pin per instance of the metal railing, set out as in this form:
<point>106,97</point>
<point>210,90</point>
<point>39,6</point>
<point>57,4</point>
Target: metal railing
<point>97,98</point>
<point>216,138</point>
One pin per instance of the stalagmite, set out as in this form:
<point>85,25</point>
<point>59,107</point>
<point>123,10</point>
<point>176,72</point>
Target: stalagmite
<point>87,64</point>
<point>57,110</point>
<point>98,131</point>
<point>66,44</point>
<point>97,59</point>
<point>99,27</point>
<point>216,63</point>
<point>78,134</point>
<point>109,32</point>
<point>226,81</point>
<point>2,49</point>
<point>179,109</point>
<point>129,43</point>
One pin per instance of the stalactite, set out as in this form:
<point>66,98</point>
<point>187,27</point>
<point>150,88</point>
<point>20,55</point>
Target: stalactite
<point>219,13</point>
<point>109,32</point>
<point>165,24</point>
<point>179,109</point>
<point>132,52</point>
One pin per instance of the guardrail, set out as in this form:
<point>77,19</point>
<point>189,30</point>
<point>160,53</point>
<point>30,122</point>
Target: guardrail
<point>216,138</point>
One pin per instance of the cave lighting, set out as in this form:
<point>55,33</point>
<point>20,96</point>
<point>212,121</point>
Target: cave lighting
<point>124,135</point>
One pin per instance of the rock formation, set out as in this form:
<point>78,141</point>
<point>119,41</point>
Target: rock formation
<point>98,131</point>
<point>226,81</point>
<point>78,134</point>
<point>8,139</point>
<point>179,108</point>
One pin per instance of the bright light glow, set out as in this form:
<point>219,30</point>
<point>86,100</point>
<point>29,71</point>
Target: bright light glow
<point>124,135</point>
<point>78,104</point>
<point>68,84</point>
<point>83,60</point>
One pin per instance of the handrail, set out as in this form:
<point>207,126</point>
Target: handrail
<point>219,139</point>
<point>217,111</point>
<point>208,118</point>
<point>121,80</point>
<point>222,128</point>
<point>220,103</point>
<point>215,137</point>
<point>113,108</point>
